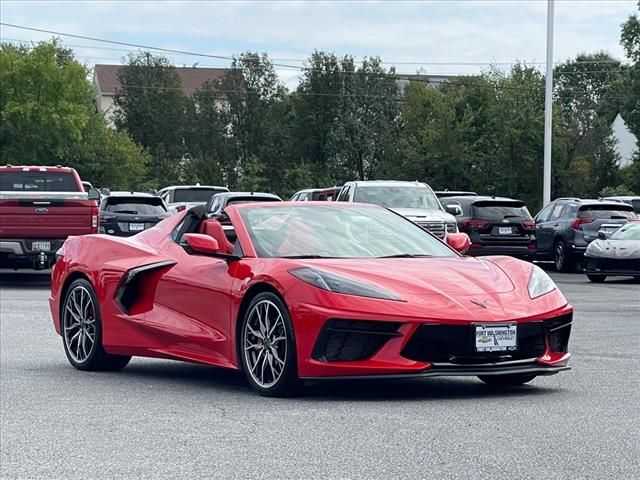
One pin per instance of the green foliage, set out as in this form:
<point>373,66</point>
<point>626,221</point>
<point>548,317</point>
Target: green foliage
<point>48,118</point>
<point>630,104</point>
<point>615,191</point>
<point>46,103</point>
<point>151,107</point>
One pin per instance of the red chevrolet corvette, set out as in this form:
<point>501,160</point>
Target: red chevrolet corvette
<point>291,291</point>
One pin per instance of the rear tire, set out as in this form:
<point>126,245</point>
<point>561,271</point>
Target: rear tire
<point>507,380</point>
<point>562,258</point>
<point>597,278</point>
<point>81,325</point>
<point>267,347</point>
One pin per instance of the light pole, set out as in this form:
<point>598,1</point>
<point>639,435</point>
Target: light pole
<point>548,107</point>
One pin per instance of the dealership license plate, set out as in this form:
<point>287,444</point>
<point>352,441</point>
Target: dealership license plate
<point>136,227</point>
<point>496,338</point>
<point>41,246</point>
<point>505,230</point>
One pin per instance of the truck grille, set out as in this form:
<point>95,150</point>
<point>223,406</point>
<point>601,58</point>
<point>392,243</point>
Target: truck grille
<point>437,228</point>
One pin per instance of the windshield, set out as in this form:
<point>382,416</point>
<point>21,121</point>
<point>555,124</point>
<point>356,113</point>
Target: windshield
<point>195,194</point>
<point>627,232</point>
<point>38,182</point>
<point>333,232</point>
<point>135,206</point>
<point>398,197</point>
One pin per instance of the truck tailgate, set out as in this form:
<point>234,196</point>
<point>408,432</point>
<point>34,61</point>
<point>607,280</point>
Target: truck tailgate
<point>45,218</point>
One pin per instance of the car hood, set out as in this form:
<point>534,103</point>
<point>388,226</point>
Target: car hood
<point>422,214</point>
<point>409,277</point>
<point>626,249</point>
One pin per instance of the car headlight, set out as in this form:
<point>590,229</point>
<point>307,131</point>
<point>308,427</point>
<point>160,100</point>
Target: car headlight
<point>539,283</point>
<point>335,283</point>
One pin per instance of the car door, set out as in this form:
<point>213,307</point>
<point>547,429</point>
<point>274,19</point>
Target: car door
<point>544,230</point>
<point>193,306</point>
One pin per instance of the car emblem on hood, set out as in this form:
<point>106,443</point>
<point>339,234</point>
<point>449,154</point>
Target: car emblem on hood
<point>41,211</point>
<point>480,303</point>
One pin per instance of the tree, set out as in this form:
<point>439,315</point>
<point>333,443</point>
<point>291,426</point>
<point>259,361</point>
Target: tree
<point>151,108</point>
<point>46,103</point>
<point>630,106</point>
<point>48,117</point>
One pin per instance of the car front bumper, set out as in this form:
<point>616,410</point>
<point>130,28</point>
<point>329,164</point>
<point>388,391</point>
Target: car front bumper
<point>613,267</point>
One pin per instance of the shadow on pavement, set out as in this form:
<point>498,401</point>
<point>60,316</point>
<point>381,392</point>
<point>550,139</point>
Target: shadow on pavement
<point>198,376</point>
<point>25,279</point>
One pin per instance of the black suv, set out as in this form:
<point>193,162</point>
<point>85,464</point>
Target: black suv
<point>126,213</point>
<point>566,226</point>
<point>496,225</point>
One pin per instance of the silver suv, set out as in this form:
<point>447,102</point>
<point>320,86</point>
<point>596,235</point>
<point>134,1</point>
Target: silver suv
<point>413,200</point>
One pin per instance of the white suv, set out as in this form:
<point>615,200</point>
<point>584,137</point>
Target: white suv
<point>183,197</point>
<point>413,200</point>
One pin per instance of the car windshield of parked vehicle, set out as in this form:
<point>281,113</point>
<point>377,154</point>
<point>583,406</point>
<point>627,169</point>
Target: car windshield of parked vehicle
<point>195,194</point>
<point>397,197</point>
<point>333,232</point>
<point>627,232</point>
<point>500,210</point>
<point>38,182</point>
<point>135,206</point>
<point>606,211</point>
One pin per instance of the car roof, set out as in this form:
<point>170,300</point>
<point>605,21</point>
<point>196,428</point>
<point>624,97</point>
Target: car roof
<point>387,183</point>
<point>455,193</point>
<point>313,204</point>
<point>246,194</point>
<point>34,168</point>
<point>131,194</point>
<point>191,187</point>
<point>482,198</point>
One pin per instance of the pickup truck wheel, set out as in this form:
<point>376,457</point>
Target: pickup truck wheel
<point>82,330</point>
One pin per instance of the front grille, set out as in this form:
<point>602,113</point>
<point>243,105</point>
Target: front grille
<point>351,340</point>
<point>437,228</point>
<point>613,264</point>
<point>456,343</point>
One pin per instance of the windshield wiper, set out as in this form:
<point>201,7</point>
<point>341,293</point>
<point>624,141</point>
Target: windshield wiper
<point>133,212</point>
<point>406,255</point>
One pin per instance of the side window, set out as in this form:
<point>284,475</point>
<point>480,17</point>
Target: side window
<point>557,212</point>
<point>295,197</point>
<point>344,194</point>
<point>543,216</point>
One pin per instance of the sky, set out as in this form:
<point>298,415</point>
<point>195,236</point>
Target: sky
<point>434,37</point>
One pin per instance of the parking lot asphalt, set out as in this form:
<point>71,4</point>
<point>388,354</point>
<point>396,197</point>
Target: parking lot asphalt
<point>162,419</point>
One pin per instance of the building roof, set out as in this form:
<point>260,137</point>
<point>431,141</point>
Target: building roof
<point>192,78</point>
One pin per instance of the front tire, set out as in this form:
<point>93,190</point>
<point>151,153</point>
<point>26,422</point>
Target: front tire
<point>267,347</point>
<point>597,278</point>
<point>507,380</point>
<point>81,325</point>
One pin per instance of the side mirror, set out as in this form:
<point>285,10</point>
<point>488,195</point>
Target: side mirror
<point>94,194</point>
<point>201,243</point>
<point>602,235</point>
<point>453,209</point>
<point>460,242</point>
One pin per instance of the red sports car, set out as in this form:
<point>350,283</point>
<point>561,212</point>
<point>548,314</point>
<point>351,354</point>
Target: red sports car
<point>311,290</point>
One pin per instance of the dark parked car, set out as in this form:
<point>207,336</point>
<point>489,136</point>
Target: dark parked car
<point>496,225</point>
<point>126,213</point>
<point>566,226</point>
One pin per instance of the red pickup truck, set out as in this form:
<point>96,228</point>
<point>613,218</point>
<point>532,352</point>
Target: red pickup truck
<point>39,208</point>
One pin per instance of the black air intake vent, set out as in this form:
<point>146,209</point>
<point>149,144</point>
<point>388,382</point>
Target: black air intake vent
<point>351,340</point>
